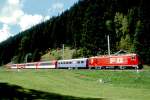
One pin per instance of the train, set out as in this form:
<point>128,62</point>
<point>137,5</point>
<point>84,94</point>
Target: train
<point>121,61</point>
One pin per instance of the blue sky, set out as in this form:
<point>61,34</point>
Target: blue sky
<point>19,15</point>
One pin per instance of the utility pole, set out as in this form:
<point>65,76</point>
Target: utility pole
<point>108,45</point>
<point>63,51</point>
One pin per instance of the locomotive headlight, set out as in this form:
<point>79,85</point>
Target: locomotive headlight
<point>92,61</point>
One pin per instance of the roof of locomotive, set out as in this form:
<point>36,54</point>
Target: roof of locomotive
<point>73,59</point>
<point>114,55</point>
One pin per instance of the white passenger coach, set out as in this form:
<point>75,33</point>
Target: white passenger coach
<point>72,63</point>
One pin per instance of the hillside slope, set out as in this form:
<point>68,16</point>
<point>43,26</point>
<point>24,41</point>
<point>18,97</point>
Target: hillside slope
<point>58,54</point>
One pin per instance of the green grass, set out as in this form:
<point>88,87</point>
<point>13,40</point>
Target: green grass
<point>78,84</point>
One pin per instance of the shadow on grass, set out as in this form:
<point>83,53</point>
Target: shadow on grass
<point>14,92</point>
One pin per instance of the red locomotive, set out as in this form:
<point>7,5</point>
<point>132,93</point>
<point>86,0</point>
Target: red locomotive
<point>115,61</point>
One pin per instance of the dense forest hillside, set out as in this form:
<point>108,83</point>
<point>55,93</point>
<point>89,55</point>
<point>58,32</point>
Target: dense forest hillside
<point>85,27</point>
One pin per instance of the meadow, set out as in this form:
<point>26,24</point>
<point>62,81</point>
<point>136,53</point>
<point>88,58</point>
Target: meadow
<point>83,84</point>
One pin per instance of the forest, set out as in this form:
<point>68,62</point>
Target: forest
<point>85,27</point>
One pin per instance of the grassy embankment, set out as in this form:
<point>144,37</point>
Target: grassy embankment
<point>75,84</point>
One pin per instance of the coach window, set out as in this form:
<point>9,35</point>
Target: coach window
<point>45,64</point>
<point>78,62</point>
<point>30,64</point>
<point>82,61</point>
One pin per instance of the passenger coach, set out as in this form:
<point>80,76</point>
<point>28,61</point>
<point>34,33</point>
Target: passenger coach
<point>72,63</point>
<point>32,65</point>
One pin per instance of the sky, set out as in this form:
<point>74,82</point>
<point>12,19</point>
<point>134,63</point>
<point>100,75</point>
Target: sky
<point>19,15</point>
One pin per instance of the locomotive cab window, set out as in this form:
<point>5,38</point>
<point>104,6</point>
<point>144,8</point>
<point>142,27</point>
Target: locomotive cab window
<point>133,58</point>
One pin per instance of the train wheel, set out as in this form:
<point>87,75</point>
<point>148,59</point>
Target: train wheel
<point>69,68</point>
<point>116,67</point>
<point>122,67</point>
<point>99,67</point>
<point>140,66</point>
<point>76,68</point>
<point>90,67</point>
